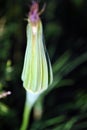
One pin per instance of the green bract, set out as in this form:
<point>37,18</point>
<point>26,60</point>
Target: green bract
<point>37,70</point>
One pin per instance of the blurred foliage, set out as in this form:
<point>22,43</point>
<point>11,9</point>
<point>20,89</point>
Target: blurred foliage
<point>64,105</point>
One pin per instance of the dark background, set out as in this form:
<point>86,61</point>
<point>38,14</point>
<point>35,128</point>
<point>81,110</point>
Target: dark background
<point>65,31</point>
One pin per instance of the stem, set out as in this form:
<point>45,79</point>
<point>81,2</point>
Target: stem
<point>29,102</point>
<point>26,115</point>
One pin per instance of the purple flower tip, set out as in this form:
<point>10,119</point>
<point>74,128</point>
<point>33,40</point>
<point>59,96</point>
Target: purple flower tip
<point>33,14</point>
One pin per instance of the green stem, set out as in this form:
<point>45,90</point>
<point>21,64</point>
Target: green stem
<point>29,102</point>
<point>26,115</point>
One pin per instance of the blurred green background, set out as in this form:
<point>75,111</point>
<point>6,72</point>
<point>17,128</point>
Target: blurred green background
<point>64,105</point>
